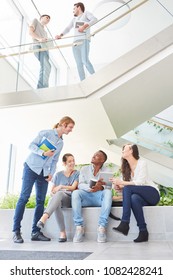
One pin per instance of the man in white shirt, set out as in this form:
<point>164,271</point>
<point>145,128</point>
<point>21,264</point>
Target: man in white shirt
<point>81,23</point>
<point>97,195</point>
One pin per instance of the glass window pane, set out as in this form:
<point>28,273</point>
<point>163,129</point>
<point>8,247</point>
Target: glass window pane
<point>10,24</point>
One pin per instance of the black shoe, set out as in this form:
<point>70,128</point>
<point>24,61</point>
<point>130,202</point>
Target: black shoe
<point>62,239</point>
<point>39,236</point>
<point>122,228</point>
<point>17,238</point>
<point>114,217</point>
<point>142,237</point>
<point>40,225</point>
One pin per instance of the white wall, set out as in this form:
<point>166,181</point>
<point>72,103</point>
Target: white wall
<point>8,78</point>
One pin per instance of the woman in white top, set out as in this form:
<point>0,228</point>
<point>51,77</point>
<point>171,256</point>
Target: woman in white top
<point>138,191</point>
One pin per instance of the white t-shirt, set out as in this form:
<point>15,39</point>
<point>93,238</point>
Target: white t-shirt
<point>85,17</point>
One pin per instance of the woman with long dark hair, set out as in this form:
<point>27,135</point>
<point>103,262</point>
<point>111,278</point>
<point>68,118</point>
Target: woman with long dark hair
<point>138,191</point>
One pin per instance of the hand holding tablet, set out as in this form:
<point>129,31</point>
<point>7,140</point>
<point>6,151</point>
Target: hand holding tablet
<point>105,176</point>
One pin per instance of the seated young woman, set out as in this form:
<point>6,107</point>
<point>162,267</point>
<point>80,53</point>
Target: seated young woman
<point>64,182</point>
<point>138,191</point>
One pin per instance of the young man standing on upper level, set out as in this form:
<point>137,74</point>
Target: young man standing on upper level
<point>81,23</point>
<point>39,35</point>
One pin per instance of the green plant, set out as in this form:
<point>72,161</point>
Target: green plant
<point>169,143</point>
<point>79,166</point>
<point>160,127</point>
<point>110,165</point>
<point>9,201</point>
<point>166,196</point>
<point>136,131</point>
<point>46,200</point>
<point>117,173</point>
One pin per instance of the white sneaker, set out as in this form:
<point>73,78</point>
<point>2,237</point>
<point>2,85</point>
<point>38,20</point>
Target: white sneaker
<point>101,234</point>
<point>79,234</point>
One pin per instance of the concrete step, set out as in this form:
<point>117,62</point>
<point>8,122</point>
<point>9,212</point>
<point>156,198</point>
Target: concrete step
<point>157,218</point>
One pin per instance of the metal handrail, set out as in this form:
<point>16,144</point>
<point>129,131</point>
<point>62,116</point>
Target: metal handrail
<point>162,119</point>
<point>67,37</point>
<point>119,17</point>
<point>161,124</point>
<point>40,49</point>
<point>151,142</point>
<point>71,36</point>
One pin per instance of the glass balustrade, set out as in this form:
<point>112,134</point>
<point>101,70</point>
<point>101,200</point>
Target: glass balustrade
<point>121,26</point>
<point>155,134</point>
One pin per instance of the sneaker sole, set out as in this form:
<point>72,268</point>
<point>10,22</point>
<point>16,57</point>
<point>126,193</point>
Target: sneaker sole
<point>101,241</point>
<point>40,240</point>
<point>19,242</point>
<point>78,241</point>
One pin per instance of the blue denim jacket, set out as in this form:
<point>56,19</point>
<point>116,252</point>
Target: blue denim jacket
<point>36,162</point>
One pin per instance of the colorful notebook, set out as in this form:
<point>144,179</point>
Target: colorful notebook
<point>46,145</point>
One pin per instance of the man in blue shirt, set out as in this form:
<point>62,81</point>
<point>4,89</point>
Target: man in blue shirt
<point>39,168</point>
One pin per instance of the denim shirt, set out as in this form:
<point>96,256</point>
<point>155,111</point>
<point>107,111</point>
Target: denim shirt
<point>36,162</point>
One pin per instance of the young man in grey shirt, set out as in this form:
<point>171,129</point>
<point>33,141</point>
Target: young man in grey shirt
<point>39,36</point>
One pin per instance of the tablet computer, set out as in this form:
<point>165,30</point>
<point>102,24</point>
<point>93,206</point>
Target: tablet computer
<point>106,176</point>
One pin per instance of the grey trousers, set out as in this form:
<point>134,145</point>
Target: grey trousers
<point>57,201</point>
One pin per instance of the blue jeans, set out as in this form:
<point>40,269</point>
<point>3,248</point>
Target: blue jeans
<point>45,67</point>
<point>81,198</point>
<point>29,178</point>
<point>135,197</point>
<point>81,55</point>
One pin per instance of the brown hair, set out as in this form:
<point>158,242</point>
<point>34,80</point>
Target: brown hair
<point>81,5</point>
<point>65,157</point>
<point>65,120</point>
<point>125,167</point>
<point>44,16</point>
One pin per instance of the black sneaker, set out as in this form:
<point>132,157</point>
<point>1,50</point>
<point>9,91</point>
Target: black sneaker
<point>39,236</point>
<point>17,238</point>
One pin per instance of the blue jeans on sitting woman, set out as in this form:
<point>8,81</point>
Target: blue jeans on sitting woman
<point>29,178</point>
<point>135,197</point>
<point>81,198</point>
